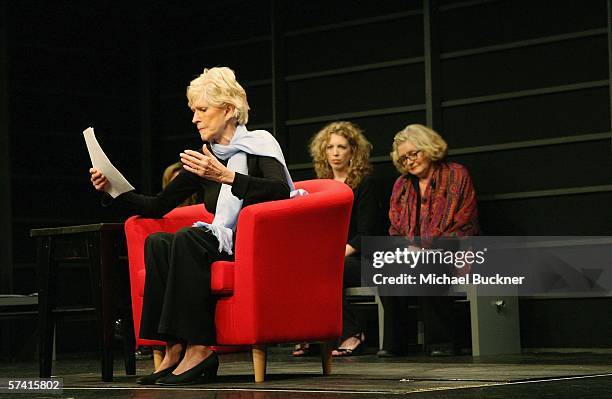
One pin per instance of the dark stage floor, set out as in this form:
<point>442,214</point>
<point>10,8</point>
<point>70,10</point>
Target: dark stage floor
<point>577,375</point>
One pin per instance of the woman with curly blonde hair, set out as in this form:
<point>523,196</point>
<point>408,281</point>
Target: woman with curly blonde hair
<point>341,152</point>
<point>351,163</point>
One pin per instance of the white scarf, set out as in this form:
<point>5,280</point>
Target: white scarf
<point>257,142</point>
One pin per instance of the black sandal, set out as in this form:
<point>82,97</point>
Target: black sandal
<point>343,352</point>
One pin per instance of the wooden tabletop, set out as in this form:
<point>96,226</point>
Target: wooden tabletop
<point>85,228</point>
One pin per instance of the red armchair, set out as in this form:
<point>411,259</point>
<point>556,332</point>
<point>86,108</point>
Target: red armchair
<point>285,284</point>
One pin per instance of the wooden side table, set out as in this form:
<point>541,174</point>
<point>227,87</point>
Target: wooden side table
<point>98,245</point>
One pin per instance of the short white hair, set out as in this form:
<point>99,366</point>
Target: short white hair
<point>219,87</point>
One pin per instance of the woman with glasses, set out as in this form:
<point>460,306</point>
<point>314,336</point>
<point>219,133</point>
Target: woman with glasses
<point>432,198</point>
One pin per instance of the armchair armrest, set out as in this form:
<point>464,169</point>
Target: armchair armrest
<point>137,229</point>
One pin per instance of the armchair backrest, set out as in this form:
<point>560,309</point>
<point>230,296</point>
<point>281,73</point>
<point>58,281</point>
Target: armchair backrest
<point>289,259</point>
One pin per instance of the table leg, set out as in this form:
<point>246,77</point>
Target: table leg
<point>101,290</point>
<point>127,331</point>
<point>47,277</point>
<point>129,343</point>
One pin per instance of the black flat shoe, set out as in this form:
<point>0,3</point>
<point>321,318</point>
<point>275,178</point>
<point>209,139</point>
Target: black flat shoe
<point>444,349</point>
<point>442,353</point>
<point>205,371</point>
<point>386,353</point>
<point>153,377</point>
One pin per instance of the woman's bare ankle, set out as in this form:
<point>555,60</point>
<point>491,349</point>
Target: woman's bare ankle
<point>174,348</point>
<point>194,354</point>
<point>172,356</point>
<point>197,351</point>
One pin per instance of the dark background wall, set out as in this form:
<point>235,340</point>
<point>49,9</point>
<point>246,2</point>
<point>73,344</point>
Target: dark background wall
<point>520,90</point>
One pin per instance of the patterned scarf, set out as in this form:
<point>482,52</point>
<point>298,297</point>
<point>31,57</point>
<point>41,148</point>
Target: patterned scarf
<point>448,208</point>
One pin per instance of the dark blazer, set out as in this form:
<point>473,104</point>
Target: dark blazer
<point>266,181</point>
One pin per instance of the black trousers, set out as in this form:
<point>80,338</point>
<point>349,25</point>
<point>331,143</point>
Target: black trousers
<point>352,321</point>
<point>401,329</point>
<point>178,304</point>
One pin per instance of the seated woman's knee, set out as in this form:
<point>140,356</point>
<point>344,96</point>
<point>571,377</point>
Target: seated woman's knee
<point>154,240</point>
<point>185,233</point>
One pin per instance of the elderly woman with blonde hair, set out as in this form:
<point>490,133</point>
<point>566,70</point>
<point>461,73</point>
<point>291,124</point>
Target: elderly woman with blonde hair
<point>341,152</point>
<point>432,198</point>
<point>443,190</point>
<point>234,168</point>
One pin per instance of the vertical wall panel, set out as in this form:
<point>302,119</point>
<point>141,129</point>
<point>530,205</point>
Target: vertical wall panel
<point>355,45</point>
<point>6,246</point>
<point>359,91</point>
<point>507,21</point>
<point>533,67</point>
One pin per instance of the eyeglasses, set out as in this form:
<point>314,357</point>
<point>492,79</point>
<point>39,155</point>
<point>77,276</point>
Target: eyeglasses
<point>411,156</point>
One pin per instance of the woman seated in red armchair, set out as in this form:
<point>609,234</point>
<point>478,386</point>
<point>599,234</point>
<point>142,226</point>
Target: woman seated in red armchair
<point>235,168</point>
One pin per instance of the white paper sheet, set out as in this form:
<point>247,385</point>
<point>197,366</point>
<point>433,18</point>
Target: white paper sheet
<point>117,183</point>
